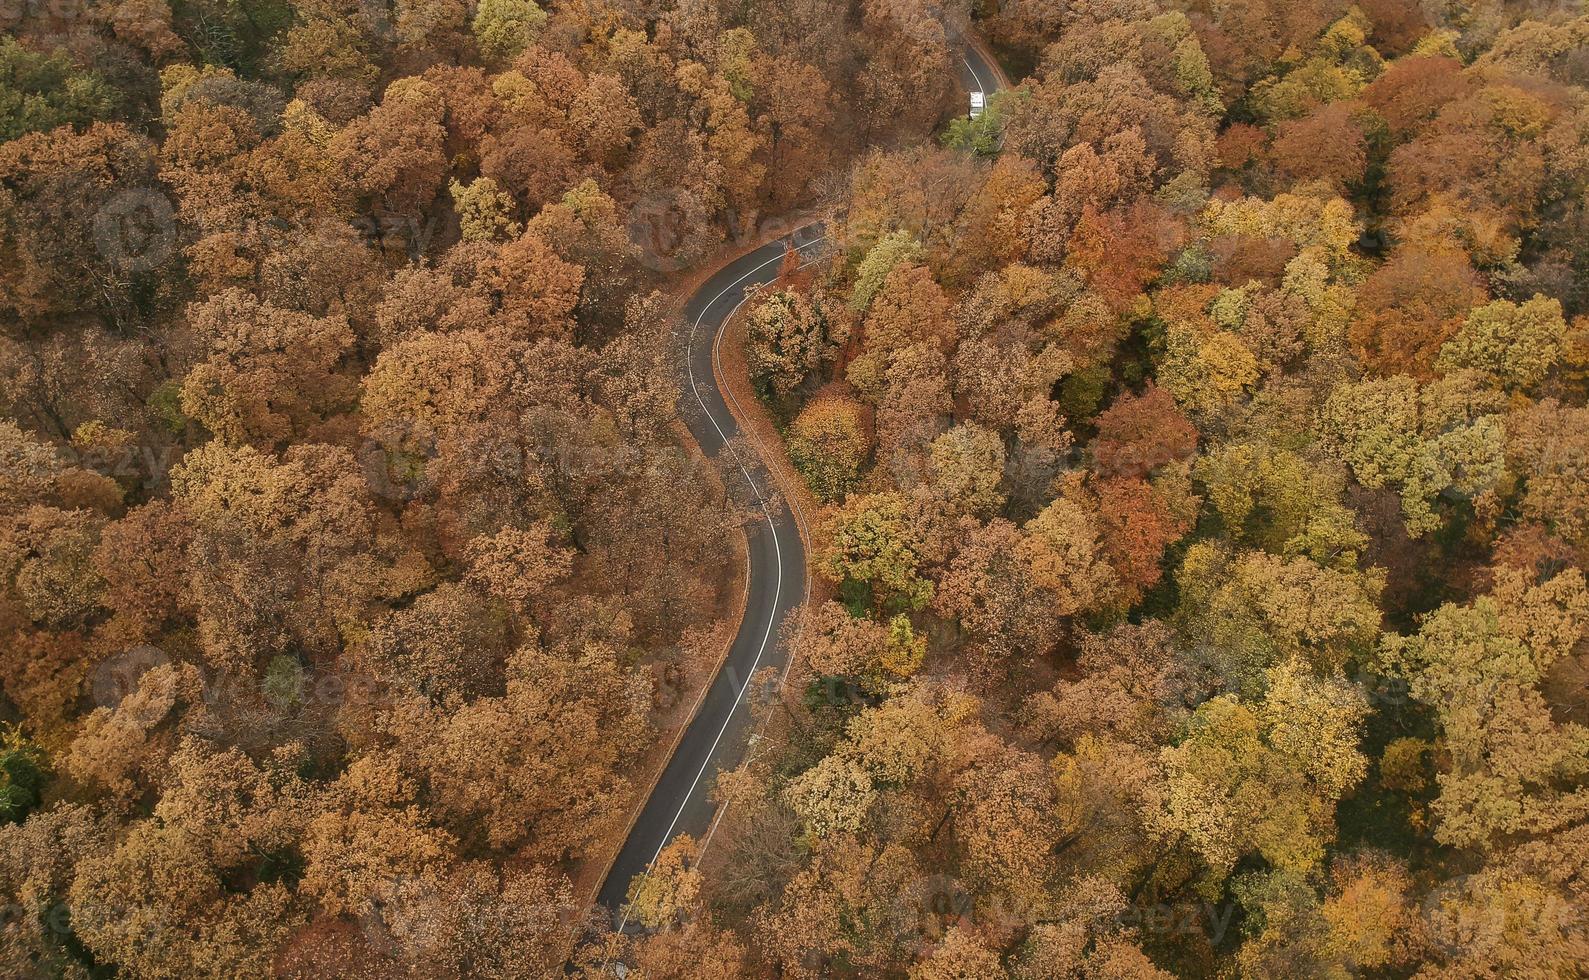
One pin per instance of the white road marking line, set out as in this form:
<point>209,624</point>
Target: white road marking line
<point>800,519</point>
<point>967,62</point>
<point>771,527</point>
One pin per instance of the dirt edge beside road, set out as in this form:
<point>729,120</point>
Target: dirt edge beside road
<point>590,874</point>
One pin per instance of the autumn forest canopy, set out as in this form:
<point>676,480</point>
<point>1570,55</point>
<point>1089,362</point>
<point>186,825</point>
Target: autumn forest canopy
<point>1195,445</point>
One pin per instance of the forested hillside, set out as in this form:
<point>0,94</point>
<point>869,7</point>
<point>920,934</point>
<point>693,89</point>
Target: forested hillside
<point>350,550</point>
<point>1198,441</point>
<point>1204,442</point>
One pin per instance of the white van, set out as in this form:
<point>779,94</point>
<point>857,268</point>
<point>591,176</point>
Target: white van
<point>978,103</point>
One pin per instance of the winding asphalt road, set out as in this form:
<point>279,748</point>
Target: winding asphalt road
<point>720,732</point>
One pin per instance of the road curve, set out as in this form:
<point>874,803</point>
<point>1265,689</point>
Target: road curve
<point>717,736</point>
<point>977,72</point>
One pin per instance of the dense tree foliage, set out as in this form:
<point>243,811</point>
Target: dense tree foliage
<point>1219,413</point>
<point>351,553</point>
<point>1197,441</point>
